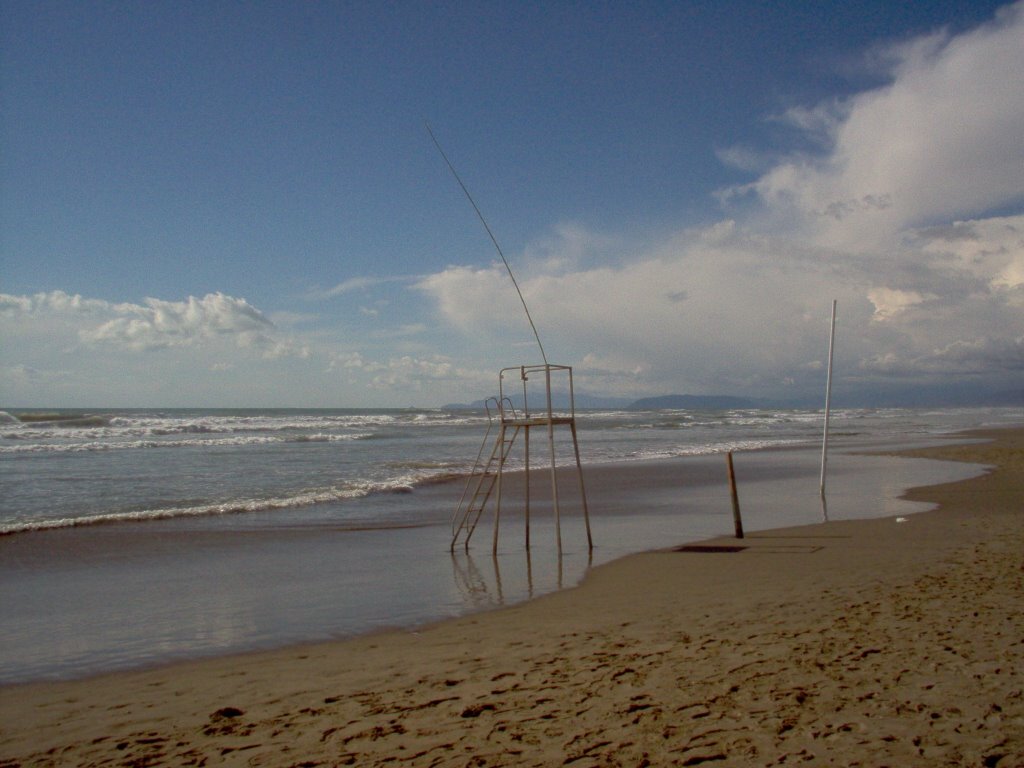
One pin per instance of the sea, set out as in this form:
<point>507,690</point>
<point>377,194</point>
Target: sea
<point>134,537</point>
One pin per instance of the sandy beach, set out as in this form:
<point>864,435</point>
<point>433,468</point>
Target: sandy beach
<point>867,642</point>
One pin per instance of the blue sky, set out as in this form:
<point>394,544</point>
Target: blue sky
<point>228,204</point>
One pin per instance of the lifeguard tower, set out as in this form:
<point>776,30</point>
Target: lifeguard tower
<point>485,481</point>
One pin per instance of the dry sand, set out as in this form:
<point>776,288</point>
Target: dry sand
<point>848,643</point>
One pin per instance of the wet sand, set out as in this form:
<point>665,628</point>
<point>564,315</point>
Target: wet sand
<point>863,642</point>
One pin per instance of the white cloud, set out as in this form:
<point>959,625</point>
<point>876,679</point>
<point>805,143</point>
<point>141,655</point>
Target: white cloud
<point>344,361</point>
<point>52,302</point>
<point>941,140</point>
<point>355,284</point>
<point>200,350</point>
<point>973,357</point>
<point>158,323</point>
<point>891,216</point>
<point>414,374</point>
<point>890,302</point>
<point>570,247</point>
<point>992,250</point>
<point>744,158</point>
<point>469,298</point>
<point>26,374</point>
<point>818,123</point>
<point>712,308</point>
<point>350,285</point>
<point>718,310</point>
<point>155,324</point>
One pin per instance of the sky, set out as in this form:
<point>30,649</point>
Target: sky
<point>232,204</point>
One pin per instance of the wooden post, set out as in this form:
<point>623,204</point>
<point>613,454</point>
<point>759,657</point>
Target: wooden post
<point>737,520</point>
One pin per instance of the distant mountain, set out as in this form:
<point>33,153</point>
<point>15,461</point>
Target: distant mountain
<point>559,401</point>
<point>694,402</point>
<point>907,398</point>
<point>904,398</point>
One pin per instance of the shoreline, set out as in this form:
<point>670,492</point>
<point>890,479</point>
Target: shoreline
<point>125,597</point>
<point>445,481</point>
<point>845,641</point>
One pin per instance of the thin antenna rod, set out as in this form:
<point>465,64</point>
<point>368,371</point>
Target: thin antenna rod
<point>493,239</point>
<point>828,398</point>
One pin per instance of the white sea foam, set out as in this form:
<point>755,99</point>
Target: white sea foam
<point>123,445</point>
<point>105,463</point>
<point>704,449</point>
<point>126,426</point>
<point>230,507</point>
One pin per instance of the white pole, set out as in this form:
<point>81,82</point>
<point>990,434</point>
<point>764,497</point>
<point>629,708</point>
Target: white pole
<point>828,398</point>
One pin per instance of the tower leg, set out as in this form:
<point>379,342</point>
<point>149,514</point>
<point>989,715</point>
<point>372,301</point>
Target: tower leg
<point>554,486</point>
<point>497,503</point>
<point>583,492</point>
<point>526,479</point>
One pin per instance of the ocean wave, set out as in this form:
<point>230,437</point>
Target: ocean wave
<point>96,427</point>
<point>703,449</point>
<point>277,423</point>
<point>321,437</point>
<point>585,417</point>
<point>132,445</point>
<point>408,475</point>
<point>216,442</point>
<point>234,424</point>
<point>56,419</point>
<point>426,464</point>
<point>213,509</point>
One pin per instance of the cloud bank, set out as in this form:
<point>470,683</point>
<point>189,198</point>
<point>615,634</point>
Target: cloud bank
<point>941,141</point>
<point>72,347</point>
<point>906,209</point>
<point>155,324</point>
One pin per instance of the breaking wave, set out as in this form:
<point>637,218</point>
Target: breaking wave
<point>124,445</point>
<point>230,507</point>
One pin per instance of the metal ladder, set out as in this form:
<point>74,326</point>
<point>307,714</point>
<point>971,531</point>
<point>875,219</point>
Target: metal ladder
<point>484,475</point>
